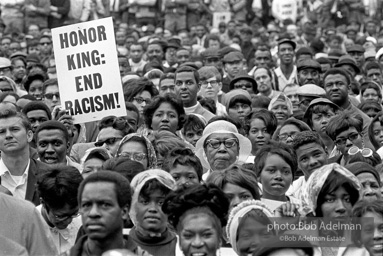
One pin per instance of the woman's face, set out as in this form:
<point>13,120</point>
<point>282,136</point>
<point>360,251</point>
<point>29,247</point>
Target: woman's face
<point>377,130</point>
<point>150,216</point>
<point>372,233</point>
<point>236,194</point>
<point>258,134</point>
<point>141,100</point>
<point>370,186</point>
<point>320,121</point>
<point>198,235</point>
<point>287,134</point>
<point>36,89</point>
<point>276,177</point>
<point>136,151</point>
<point>281,111</point>
<point>370,95</point>
<point>337,204</point>
<point>90,166</point>
<point>184,175</point>
<point>251,235</point>
<point>165,118</point>
<point>347,139</point>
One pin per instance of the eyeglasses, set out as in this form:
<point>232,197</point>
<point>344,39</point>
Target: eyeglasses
<point>134,156</point>
<point>285,136</point>
<point>109,141</point>
<point>49,96</point>
<point>45,43</point>
<point>140,100</point>
<point>366,152</point>
<point>342,141</point>
<point>228,143</point>
<point>212,83</point>
<point>63,217</point>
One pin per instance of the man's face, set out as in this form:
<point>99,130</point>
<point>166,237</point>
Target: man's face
<point>234,67</point>
<point>200,31</point>
<point>310,157</point>
<point>5,43</point>
<point>309,76</point>
<point>286,53</point>
<point>33,49</point>
<point>45,46</point>
<point>222,157</point>
<point>371,28</point>
<point>245,85</point>
<point>34,31</point>
<point>336,88</point>
<point>358,57</point>
<point>120,38</point>
<point>187,88</point>
<point>291,93</point>
<point>170,56</point>
<point>375,75</point>
<point>167,86</point>
<point>231,27</point>
<point>183,56</point>
<point>52,96</point>
<point>19,70</point>
<point>13,135</point>
<point>132,118</point>
<point>124,65</point>
<point>262,59</point>
<point>136,52</point>
<point>52,146</point>
<point>37,117</point>
<point>263,80</point>
<point>155,51</point>
<point>102,217</point>
<point>210,88</point>
<point>14,47</point>
<point>128,42</point>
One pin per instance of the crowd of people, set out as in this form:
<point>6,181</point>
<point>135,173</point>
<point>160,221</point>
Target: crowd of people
<point>272,115</point>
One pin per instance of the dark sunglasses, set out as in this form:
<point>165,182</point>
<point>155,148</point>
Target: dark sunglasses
<point>49,96</point>
<point>109,141</point>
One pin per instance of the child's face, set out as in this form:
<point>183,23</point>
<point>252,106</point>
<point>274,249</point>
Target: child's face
<point>192,136</point>
<point>184,175</point>
<point>276,177</point>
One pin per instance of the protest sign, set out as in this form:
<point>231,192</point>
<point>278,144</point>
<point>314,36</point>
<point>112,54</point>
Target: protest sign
<point>88,71</point>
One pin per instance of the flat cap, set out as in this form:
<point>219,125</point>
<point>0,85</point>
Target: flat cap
<point>309,63</point>
<point>355,48</point>
<point>233,56</point>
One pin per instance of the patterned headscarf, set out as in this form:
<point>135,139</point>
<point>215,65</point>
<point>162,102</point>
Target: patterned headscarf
<point>317,179</point>
<point>237,214</point>
<point>152,158</point>
<point>140,180</point>
<point>282,97</point>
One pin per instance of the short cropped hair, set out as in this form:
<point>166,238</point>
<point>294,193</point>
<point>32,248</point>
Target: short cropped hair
<point>49,82</point>
<point>306,137</point>
<point>37,105</point>
<point>9,113</point>
<point>183,156</point>
<point>121,186</point>
<point>207,72</point>
<point>343,122</point>
<point>337,71</point>
<point>187,69</point>
<point>59,185</point>
<point>52,125</point>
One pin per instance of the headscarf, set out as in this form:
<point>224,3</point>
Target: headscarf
<point>152,158</point>
<point>140,180</point>
<point>89,152</point>
<point>282,97</point>
<point>317,179</point>
<point>237,214</point>
<point>14,86</point>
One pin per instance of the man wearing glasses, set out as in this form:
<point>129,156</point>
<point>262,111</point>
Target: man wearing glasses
<point>211,85</point>
<point>59,206</point>
<point>51,93</point>
<point>221,146</point>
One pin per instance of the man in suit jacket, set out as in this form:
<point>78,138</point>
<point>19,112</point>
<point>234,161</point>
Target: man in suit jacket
<point>18,170</point>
